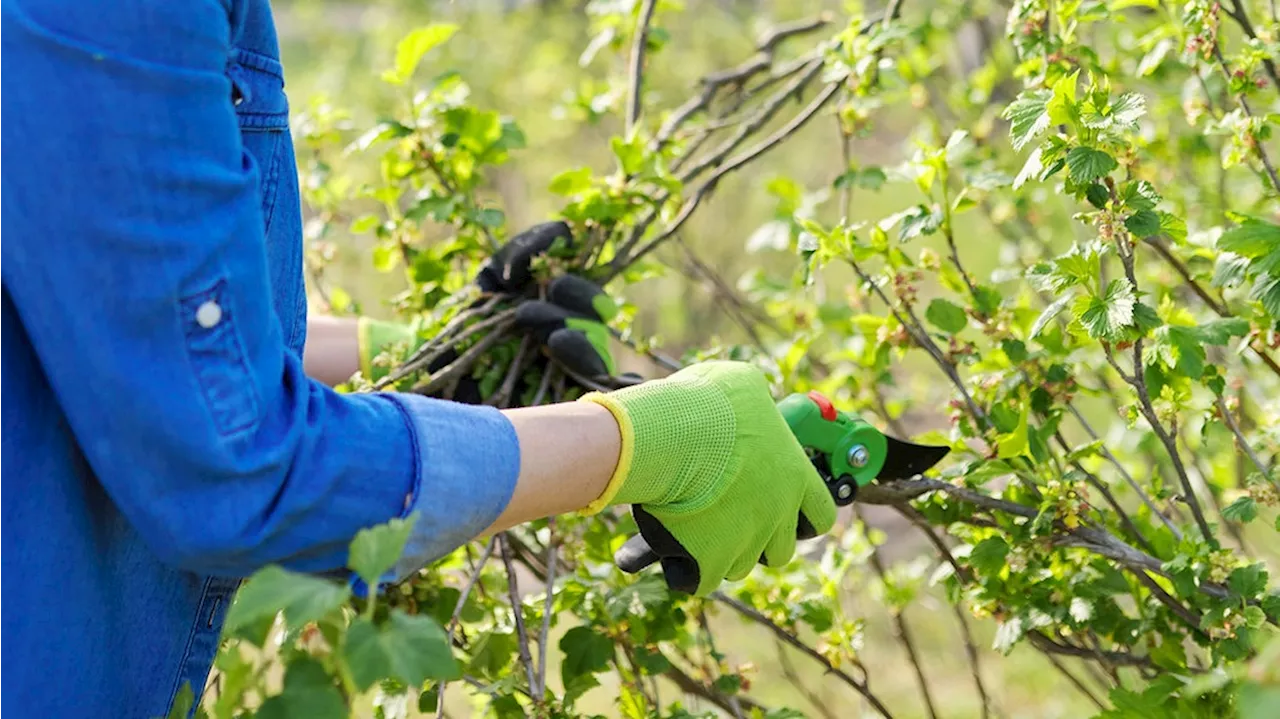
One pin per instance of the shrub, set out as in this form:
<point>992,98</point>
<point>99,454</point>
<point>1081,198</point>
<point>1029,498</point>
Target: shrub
<point>1077,248</point>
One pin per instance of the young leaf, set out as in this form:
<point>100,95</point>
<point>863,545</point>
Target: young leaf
<point>309,692</point>
<point>1251,238</point>
<point>946,316</point>
<point>417,43</point>
<point>1087,164</point>
<point>1244,510</point>
<point>1106,317</point>
<point>585,653</point>
<point>408,648</point>
<point>1143,223</point>
<point>302,598</point>
<point>1015,443</point>
<point>375,550</point>
<point>1248,581</point>
<point>1049,313</point>
<point>1028,116</point>
<point>988,555</point>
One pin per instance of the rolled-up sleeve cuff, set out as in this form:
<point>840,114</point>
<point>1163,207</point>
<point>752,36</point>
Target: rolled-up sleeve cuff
<point>468,460</point>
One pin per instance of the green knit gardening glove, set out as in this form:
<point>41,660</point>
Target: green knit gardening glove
<point>375,337</point>
<point>717,480</point>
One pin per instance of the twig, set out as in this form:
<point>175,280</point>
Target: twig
<point>1241,16</point>
<point>502,398</point>
<point>457,612</point>
<point>1244,443</point>
<point>786,636</point>
<point>516,609</point>
<point>445,337</point>
<point>637,64</point>
<point>735,76</point>
<point>789,671</point>
<point>1244,105</point>
<point>547,606</point>
<point>459,367</point>
<point>1118,658</point>
<point>1079,685</point>
<point>709,184</point>
<point>689,685</point>
<point>1125,249</point>
<point>903,632</point>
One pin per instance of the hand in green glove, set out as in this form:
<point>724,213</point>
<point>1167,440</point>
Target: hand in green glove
<point>717,479</point>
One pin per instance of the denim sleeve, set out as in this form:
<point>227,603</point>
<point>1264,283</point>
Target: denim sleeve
<point>134,253</point>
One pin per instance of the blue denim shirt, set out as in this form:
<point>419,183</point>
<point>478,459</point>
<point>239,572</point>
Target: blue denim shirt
<point>160,440</point>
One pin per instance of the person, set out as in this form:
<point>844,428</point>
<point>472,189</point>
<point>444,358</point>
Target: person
<point>161,437</point>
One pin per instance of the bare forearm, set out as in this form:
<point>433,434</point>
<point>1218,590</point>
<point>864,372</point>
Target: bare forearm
<point>568,453</point>
<point>332,352</point>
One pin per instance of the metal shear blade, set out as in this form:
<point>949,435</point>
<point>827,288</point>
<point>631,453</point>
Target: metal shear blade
<point>904,460</point>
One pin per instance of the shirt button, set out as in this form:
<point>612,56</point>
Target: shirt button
<point>208,314</point>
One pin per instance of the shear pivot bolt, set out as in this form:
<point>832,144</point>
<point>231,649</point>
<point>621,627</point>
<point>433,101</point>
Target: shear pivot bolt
<point>859,456</point>
<point>845,491</point>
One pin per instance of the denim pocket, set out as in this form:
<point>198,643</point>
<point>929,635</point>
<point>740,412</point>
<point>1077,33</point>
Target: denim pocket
<point>218,359</point>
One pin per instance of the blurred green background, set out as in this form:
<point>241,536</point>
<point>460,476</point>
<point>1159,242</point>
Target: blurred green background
<point>524,59</point>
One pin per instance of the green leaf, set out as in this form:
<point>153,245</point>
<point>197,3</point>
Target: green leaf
<point>585,653</point>
<point>375,550</point>
<point>1106,317</point>
<point>867,178</point>
<point>1252,238</point>
<point>1230,270</point>
<point>571,182</point>
<point>1028,116</point>
<point>409,51</point>
<point>1087,164</point>
<point>1049,313</point>
<point>302,598</point>
<point>1015,443</point>
<point>630,154</point>
<point>1248,581</point>
<point>1143,223</point>
<point>308,692</point>
<point>920,220</point>
<point>988,555</point>
<point>946,316</point>
<point>408,648</point>
<point>1244,509</point>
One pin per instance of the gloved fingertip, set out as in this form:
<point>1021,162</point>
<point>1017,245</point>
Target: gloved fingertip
<point>572,349</point>
<point>818,507</point>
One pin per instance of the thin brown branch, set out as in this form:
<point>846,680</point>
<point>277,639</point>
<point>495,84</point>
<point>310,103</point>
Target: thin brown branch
<point>502,398</point>
<point>517,611</point>
<point>1243,443</point>
<point>750,613</point>
<point>1248,111</point>
<point>693,687</point>
<point>547,606</point>
<point>1075,681</point>
<point>1070,650</point>
<point>465,362</point>
<point>709,184</point>
<point>457,612</point>
<point>447,337</point>
<point>902,632</point>
<point>637,64</point>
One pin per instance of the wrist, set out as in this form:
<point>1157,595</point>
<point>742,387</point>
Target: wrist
<point>626,453</point>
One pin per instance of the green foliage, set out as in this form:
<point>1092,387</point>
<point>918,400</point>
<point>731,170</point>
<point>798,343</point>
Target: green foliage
<point>1055,251</point>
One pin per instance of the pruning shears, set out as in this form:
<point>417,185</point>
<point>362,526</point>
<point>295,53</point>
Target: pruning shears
<point>847,451</point>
